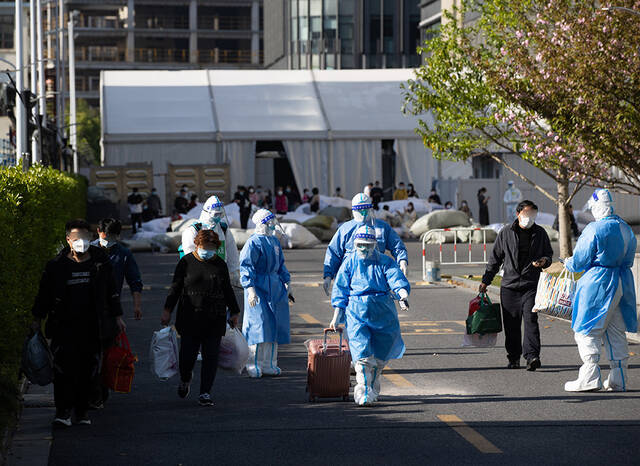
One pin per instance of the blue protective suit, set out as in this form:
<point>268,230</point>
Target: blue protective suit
<point>605,251</point>
<point>342,243</point>
<point>362,287</point>
<point>262,267</point>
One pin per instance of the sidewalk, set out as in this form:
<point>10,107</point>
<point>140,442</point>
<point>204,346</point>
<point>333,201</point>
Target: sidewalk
<point>32,439</point>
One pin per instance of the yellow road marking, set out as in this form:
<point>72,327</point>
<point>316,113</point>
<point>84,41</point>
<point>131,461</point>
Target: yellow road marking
<point>470,435</point>
<point>308,318</point>
<point>397,379</point>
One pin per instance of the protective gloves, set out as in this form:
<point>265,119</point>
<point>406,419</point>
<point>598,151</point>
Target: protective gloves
<point>337,316</point>
<point>235,278</point>
<point>404,302</point>
<point>288,287</point>
<point>404,266</point>
<point>327,286</point>
<point>253,297</point>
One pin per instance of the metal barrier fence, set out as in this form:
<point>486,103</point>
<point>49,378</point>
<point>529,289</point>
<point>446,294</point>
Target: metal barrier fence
<point>455,232</point>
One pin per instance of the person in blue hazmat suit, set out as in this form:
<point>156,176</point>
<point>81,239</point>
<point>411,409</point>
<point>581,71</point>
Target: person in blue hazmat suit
<point>265,280</point>
<point>363,292</point>
<point>605,301</point>
<point>342,241</point>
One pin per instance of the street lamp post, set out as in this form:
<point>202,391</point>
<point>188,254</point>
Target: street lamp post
<point>20,107</point>
<point>72,92</point>
<point>33,39</point>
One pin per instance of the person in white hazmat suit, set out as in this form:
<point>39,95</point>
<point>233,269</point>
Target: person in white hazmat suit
<point>213,217</point>
<point>266,282</point>
<point>364,290</point>
<point>605,300</point>
<point>342,241</point>
<point>512,197</point>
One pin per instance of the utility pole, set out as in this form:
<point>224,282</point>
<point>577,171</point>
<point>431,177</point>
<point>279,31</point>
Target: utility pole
<point>42,90</point>
<point>60,70</point>
<point>72,92</point>
<point>21,126</point>
<point>33,38</point>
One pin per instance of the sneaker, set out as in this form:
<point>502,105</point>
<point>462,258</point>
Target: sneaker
<point>63,418</point>
<point>533,364</point>
<point>96,405</point>
<point>205,400</point>
<point>183,389</point>
<point>513,365</point>
<point>83,419</point>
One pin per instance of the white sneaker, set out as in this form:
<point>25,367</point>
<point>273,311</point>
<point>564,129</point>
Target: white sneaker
<point>253,371</point>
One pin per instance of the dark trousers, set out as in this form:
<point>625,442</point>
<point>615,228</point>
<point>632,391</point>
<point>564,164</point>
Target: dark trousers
<point>516,307</point>
<point>210,347</point>
<point>244,218</point>
<point>136,219</point>
<point>75,368</point>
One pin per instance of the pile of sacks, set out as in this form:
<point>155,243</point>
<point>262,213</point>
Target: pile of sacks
<point>457,221</point>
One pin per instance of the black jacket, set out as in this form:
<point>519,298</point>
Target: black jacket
<point>505,251</point>
<point>51,302</point>
<point>203,292</point>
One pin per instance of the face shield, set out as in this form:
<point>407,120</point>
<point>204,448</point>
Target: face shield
<point>365,242</point>
<point>362,209</point>
<point>213,213</point>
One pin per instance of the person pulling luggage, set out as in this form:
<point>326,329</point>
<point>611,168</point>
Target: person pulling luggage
<point>363,291</point>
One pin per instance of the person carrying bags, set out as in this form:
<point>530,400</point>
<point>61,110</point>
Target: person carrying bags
<point>202,287</point>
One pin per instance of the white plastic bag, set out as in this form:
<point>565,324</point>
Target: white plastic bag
<point>164,353</point>
<point>487,340</point>
<point>234,350</point>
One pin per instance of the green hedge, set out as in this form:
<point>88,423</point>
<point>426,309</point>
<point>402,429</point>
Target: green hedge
<point>34,207</point>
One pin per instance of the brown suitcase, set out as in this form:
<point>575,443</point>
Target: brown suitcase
<point>328,368</point>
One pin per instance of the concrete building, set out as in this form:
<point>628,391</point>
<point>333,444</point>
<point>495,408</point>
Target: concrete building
<point>153,34</point>
<point>341,34</point>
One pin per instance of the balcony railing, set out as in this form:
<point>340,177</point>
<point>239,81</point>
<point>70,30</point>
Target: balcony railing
<point>162,22</point>
<point>227,56</point>
<point>162,55</point>
<point>100,53</point>
<point>224,23</point>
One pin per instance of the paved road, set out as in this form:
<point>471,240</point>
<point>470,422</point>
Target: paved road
<point>440,404</point>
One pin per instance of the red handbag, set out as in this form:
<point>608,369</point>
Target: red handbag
<point>474,304</point>
<point>118,365</point>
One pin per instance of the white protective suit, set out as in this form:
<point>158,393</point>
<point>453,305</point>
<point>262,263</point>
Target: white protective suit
<point>512,197</point>
<point>267,285</point>
<point>212,217</point>
<point>604,306</point>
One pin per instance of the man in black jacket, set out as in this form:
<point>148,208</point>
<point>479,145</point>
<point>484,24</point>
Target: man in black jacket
<point>524,249</point>
<point>79,298</point>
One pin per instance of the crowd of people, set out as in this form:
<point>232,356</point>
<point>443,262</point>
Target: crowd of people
<point>79,295</point>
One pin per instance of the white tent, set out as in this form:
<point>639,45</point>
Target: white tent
<point>330,122</point>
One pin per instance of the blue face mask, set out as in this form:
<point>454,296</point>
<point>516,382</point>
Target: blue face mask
<point>206,254</point>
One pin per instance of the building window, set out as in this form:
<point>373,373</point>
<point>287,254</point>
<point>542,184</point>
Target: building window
<point>6,31</point>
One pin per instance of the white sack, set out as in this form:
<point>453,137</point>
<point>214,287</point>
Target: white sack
<point>234,350</point>
<point>440,219</point>
<point>300,237</point>
<point>163,353</point>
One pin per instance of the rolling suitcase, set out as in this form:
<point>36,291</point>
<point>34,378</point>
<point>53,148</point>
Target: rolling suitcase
<point>328,368</point>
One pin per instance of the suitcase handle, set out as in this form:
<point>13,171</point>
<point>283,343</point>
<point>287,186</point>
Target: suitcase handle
<point>324,341</point>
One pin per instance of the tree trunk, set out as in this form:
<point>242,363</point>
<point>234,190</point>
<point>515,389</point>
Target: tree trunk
<point>564,222</point>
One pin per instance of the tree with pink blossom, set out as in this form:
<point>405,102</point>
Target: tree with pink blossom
<point>556,82</point>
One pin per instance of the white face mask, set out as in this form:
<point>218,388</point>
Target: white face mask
<point>105,243</point>
<point>527,222</point>
<point>80,246</point>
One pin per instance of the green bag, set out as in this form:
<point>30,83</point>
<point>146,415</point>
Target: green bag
<point>487,319</point>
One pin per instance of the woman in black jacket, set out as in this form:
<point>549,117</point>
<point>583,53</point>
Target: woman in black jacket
<point>202,287</point>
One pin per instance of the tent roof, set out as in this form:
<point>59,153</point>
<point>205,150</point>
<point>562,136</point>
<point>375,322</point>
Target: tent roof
<point>254,104</point>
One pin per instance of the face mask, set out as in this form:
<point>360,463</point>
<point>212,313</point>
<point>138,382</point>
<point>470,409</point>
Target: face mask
<point>364,250</point>
<point>272,227</point>
<point>80,246</point>
<point>251,191</point>
<point>154,192</point>
<point>214,219</point>
<point>279,193</point>
<point>105,243</point>
<point>527,222</point>
<point>206,254</point>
